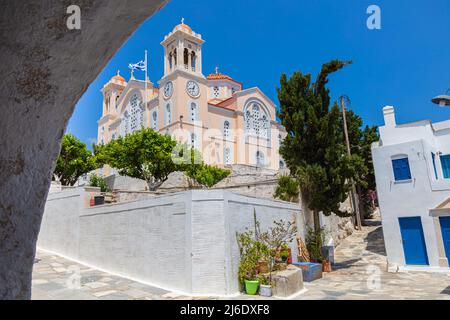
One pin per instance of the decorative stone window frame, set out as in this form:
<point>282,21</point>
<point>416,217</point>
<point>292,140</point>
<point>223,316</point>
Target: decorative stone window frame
<point>250,126</point>
<point>226,130</point>
<point>197,111</point>
<point>258,159</point>
<point>168,113</point>
<point>153,121</point>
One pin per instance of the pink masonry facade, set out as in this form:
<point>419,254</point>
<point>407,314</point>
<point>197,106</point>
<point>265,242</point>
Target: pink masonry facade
<point>214,113</point>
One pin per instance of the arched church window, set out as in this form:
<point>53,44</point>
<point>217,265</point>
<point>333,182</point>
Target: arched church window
<point>168,114</point>
<point>265,126</point>
<point>117,99</point>
<point>247,120</point>
<point>170,60</point>
<point>108,99</point>
<point>193,140</point>
<point>175,59</point>
<point>141,115</point>
<point>193,112</point>
<point>216,92</point>
<point>136,113</point>
<point>193,60</point>
<point>260,159</point>
<point>256,121</point>
<point>227,156</point>
<point>186,57</point>
<point>126,123</point>
<point>155,120</point>
<point>226,129</point>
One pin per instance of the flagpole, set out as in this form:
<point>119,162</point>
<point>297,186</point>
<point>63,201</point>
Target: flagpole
<point>145,104</point>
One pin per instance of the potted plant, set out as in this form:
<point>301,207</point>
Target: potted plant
<point>249,276</point>
<point>257,250</point>
<point>284,253</point>
<point>314,244</point>
<point>250,255</point>
<point>265,288</point>
<point>263,266</point>
<point>326,265</point>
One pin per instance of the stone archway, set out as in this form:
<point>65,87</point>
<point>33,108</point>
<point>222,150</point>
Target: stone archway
<point>45,68</point>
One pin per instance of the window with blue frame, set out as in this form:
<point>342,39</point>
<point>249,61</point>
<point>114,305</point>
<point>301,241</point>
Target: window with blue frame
<point>433,158</point>
<point>445,163</point>
<point>401,169</point>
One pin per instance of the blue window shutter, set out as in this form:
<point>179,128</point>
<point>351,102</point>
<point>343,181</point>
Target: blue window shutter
<point>445,162</point>
<point>433,157</point>
<point>401,169</point>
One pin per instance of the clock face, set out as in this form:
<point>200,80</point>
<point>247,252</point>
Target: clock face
<point>168,89</point>
<point>193,88</point>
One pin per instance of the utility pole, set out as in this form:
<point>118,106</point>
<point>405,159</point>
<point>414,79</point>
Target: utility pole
<point>353,198</point>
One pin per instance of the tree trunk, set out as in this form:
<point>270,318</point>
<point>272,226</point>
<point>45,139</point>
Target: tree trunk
<point>154,185</point>
<point>316,215</point>
<point>361,205</point>
<point>45,69</point>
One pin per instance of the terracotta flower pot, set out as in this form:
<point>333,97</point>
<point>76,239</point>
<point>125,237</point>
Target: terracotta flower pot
<point>326,266</point>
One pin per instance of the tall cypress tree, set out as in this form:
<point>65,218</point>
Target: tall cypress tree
<point>314,148</point>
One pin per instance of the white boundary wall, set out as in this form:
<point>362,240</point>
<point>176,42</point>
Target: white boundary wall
<point>183,241</point>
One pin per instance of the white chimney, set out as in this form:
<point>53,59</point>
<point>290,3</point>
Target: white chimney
<point>389,116</point>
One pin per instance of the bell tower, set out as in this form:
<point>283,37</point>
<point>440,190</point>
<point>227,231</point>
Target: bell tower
<point>183,50</point>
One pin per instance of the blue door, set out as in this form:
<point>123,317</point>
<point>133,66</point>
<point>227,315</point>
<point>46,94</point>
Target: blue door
<point>445,228</point>
<point>413,241</point>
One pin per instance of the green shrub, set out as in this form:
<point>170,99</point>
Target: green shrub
<point>256,246</point>
<point>314,243</point>
<point>99,182</point>
<point>205,174</point>
<point>287,189</point>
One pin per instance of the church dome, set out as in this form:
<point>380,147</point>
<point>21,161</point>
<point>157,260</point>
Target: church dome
<point>218,76</point>
<point>118,77</point>
<point>183,26</point>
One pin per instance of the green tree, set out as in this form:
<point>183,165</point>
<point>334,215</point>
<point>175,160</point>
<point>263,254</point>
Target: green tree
<point>99,182</point>
<point>287,189</point>
<point>205,174</point>
<point>73,161</point>
<point>144,154</point>
<point>314,148</point>
<point>189,160</point>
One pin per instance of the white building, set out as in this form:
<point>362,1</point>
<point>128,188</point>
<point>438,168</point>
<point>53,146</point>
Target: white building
<point>412,169</point>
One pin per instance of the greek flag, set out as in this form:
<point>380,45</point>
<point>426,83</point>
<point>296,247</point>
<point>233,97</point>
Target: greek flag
<point>138,66</point>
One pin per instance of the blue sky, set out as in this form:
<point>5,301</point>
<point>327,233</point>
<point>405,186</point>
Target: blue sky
<point>404,64</point>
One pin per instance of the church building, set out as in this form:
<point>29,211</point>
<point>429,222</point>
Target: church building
<point>215,114</point>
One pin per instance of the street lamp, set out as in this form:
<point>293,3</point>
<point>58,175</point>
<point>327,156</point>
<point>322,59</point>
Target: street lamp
<point>442,100</point>
<point>353,194</point>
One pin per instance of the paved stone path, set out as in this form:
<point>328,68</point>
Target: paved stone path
<point>360,263</point>
<point>360,272</point>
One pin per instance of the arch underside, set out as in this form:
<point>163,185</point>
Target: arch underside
<point>52,68</point>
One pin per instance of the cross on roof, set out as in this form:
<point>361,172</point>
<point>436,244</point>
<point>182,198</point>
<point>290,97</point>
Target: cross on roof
<point>182,20</point>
